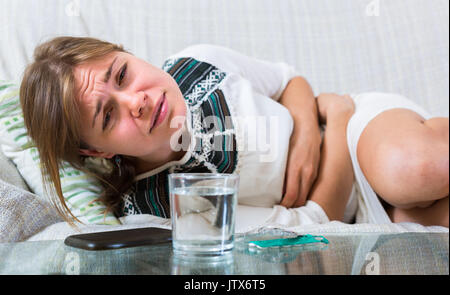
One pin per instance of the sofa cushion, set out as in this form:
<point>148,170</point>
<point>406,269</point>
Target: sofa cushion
<point>22,214</point>
<point>9,173</point>
<point>80,190</point>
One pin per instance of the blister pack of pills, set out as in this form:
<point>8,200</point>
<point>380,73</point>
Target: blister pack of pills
<point>287,242</point>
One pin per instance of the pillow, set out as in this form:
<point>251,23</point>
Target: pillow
<point>22,214</point>
<point>10,174</point>
<point>80,191</point>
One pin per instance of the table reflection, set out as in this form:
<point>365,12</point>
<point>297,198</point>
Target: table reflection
<point>371,253</point>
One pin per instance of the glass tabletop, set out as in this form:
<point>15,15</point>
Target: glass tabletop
<point>364,253</point>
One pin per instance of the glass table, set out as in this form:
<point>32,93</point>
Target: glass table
<point>365,253</point>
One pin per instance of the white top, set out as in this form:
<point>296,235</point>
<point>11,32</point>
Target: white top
<point>263,126</point>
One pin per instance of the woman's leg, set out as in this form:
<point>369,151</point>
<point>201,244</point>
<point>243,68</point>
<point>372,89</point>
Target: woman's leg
<point>405,159</point>
<point>334,182</point>
<point>434,214</point>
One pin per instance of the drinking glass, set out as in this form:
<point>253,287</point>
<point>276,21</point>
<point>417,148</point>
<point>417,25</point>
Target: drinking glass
<point>203,207</point>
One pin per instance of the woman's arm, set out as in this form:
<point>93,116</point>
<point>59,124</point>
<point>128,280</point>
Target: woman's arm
<point>335,180</point>
<point>304,148</point>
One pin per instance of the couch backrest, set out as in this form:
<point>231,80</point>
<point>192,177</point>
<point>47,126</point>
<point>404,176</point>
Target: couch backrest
<point>344,46</point>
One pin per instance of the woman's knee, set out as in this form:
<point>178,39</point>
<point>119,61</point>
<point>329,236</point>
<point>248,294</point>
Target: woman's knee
<point>409,164</point>
<point>418,170</point>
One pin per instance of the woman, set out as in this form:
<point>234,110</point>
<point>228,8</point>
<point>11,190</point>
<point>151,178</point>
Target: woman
<point>86,97</point>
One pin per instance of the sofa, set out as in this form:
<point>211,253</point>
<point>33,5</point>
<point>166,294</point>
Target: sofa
<point>345,46</point>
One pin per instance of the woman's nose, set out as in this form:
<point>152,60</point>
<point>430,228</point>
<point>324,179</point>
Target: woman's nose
<point>137,104</point>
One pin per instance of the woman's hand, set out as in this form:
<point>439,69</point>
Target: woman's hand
<point>304,150</point>
<point>304,146</point>
<point>332,104</point>
<point>302,166</point>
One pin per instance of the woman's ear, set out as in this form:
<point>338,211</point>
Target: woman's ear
<point>95,153</point>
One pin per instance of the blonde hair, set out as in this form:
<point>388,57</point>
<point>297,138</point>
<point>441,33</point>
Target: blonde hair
<point>52,115</point>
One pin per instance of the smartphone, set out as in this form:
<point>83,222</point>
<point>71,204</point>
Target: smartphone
<point>120,238</point>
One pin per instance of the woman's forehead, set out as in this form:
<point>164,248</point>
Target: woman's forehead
<point>95,65</point>
<point>89,76</point>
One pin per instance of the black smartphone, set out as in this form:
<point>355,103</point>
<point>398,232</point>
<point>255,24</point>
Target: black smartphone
<point>120,238</point>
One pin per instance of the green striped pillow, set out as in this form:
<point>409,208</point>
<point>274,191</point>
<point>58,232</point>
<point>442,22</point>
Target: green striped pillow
<point>80,190</point>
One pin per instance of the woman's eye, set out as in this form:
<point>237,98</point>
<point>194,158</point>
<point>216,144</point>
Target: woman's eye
<point>122,74</point>
<point>106,120</point>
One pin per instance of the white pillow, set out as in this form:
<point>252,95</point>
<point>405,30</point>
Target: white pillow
<point>79,190</point>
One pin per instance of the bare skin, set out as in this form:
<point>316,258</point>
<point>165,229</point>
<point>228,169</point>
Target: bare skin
<point>117,114</point>
<point>334,182</point>
<point>405,159</point>
<point>403,156</point>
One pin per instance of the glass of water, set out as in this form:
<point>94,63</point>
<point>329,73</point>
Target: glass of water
<point>203,207</point>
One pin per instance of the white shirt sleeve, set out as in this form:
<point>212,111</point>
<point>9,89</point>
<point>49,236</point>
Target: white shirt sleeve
<point>267,78</point>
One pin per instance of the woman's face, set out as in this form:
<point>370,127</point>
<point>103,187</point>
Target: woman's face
<point>118,113</point>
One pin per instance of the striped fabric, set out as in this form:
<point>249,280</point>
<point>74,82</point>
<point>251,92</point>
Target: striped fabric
<point>199,83</point>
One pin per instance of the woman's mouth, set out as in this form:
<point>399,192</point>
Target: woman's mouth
<point>160,112</point>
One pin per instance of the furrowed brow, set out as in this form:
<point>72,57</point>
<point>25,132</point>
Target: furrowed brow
<point>106,78</point>
<point>97,111</point>
<point>108,72</point>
